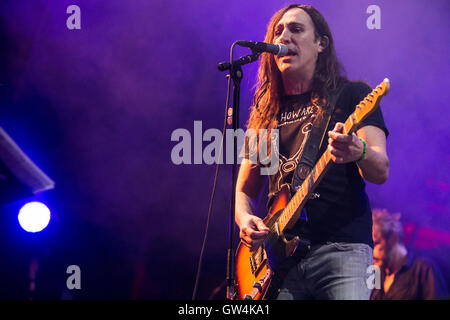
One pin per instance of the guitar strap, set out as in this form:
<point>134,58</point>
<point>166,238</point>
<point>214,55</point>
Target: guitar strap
<point>304,166</point>
<point>315,139</point>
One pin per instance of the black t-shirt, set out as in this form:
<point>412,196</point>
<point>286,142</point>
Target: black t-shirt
<point>339,210</point>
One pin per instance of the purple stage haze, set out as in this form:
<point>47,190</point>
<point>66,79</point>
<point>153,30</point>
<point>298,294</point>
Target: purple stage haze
<point>96,107</point>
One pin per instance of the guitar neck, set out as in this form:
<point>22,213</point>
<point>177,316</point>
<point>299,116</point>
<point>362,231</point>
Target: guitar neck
<point>291,213</point>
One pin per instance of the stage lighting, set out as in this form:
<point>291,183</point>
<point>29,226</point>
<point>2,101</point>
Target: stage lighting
<point>34,216</point>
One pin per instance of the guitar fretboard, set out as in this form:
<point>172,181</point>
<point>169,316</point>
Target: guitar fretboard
<point>291,213</point>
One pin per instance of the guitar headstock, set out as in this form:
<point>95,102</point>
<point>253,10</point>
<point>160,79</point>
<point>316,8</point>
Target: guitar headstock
<point>371,101</point>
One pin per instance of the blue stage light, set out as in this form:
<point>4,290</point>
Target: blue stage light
<point>34,216</point>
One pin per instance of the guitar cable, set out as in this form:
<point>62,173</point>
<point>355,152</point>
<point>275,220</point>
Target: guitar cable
<point>200,262</point>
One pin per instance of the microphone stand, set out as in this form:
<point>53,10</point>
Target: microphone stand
<point>236,75</point>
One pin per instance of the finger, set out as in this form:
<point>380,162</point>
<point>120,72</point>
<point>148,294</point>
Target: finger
<point>261,226</point>
<point>336,152</point>
<point>251,244</point>
<point>337,159</point>
<point>252,234</point>
<point>337,144</point>
<point>335,155</point>
<point>258,235</point>
<point>245,239</point>
<point>338,127</point>
<point>339,137</point>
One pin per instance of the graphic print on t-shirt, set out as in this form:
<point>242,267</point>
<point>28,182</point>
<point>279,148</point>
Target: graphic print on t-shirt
<point>342,211</point>
<point>294,124</point>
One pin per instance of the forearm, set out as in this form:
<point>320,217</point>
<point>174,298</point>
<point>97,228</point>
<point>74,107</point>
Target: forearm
<point>245,205</point>
<point>248,186</point>
<point>375,166</point>
<point>253,231</point>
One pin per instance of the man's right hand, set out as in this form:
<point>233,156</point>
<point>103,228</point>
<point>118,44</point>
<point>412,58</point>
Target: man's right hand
<point>253,231</point>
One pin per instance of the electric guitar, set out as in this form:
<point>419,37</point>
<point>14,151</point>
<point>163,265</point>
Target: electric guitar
<point>260,273</point>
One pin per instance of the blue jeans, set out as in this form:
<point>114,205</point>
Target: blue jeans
<point>335,270</point>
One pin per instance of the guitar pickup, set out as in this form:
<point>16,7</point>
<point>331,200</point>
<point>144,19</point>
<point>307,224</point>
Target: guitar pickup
<point>258,260</point>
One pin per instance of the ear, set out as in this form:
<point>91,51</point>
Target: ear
<point>323,43</point>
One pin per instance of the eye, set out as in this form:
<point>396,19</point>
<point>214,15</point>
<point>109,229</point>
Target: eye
<point>296,29</point>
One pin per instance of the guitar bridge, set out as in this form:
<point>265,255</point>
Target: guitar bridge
<point>258,286</point>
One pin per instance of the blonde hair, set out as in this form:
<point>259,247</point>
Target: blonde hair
<point>388,225</point>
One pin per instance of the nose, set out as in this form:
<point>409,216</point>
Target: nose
<point>285,36</point>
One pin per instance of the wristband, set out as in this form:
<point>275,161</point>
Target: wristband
<point>364,150</point>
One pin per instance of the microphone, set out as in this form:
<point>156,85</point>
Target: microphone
<point>278,49</point>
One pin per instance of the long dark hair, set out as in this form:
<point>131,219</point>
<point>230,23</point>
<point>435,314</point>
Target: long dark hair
<point>269,87</point>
